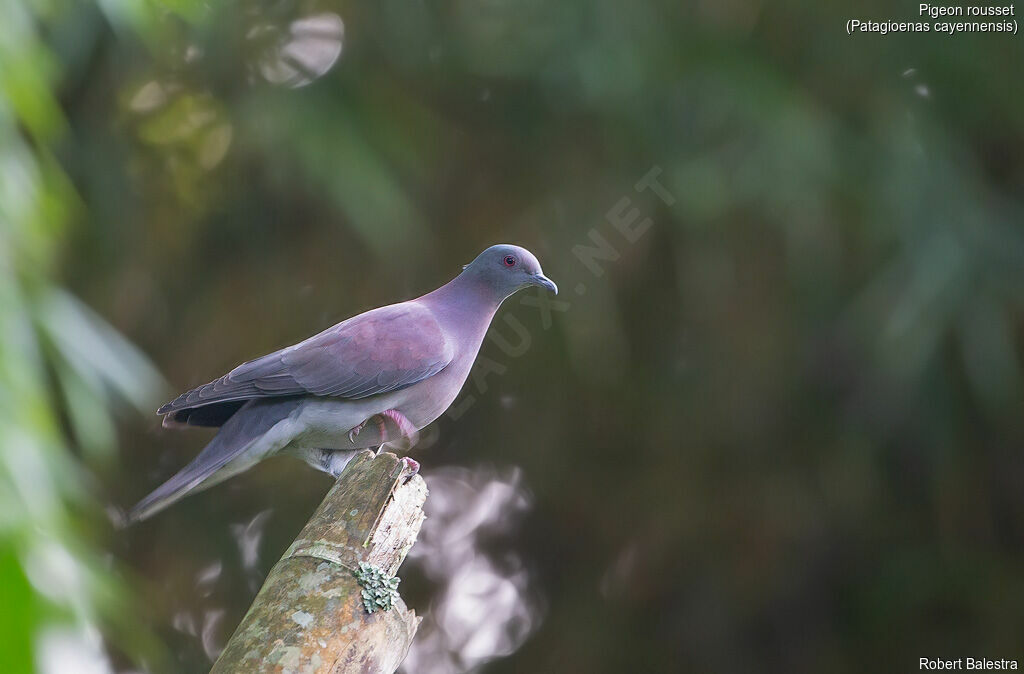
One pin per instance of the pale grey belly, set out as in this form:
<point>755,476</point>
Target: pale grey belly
<point>325,423</point>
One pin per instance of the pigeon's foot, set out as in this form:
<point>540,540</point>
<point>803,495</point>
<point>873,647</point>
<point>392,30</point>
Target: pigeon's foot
<point>404,425</point>
<point>411,464</point>
<point>354,431</point>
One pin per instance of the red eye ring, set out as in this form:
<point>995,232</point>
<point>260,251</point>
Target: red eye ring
<point>509,261</point>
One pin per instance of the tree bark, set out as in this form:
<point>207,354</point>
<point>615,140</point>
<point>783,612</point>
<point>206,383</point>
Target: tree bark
<point>309,616</point>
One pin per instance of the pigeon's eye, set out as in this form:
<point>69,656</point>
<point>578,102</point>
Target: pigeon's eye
<point>510,261</point>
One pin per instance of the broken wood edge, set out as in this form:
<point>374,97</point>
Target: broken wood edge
<point>309,614</point>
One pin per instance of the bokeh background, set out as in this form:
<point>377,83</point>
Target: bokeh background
<point>775,425</point>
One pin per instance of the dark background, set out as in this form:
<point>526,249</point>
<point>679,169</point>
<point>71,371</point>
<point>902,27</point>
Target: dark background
<point>780,432</point>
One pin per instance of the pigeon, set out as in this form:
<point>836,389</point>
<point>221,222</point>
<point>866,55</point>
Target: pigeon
<point>372,379</point>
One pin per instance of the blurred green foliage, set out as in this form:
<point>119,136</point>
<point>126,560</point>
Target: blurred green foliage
<point>782,432</point>
<point>63,371</point>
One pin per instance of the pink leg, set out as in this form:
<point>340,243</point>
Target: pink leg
<point>411,464</point>
<point>404,425</point>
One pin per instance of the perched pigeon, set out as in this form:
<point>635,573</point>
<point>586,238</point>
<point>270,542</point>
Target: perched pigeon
<point>374,378</point>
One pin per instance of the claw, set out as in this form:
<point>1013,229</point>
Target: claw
<point>355,431</point>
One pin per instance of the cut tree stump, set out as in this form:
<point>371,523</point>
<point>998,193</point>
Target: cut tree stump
<point>310,616</point>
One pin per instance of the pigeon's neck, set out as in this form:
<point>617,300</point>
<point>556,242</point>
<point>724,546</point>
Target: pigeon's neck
<point>464,304</point>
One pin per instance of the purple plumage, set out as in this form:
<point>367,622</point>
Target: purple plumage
<point>371,379</point>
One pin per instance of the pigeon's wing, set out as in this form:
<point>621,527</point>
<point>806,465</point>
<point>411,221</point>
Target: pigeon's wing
<point>376,352</point>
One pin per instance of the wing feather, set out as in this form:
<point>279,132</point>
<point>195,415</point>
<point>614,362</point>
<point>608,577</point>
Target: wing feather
<point>380,351</point>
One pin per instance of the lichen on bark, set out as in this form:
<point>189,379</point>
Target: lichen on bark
<point>310,614</point>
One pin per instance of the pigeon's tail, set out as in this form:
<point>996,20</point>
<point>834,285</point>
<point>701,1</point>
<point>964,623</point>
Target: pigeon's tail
<point>247,437</point>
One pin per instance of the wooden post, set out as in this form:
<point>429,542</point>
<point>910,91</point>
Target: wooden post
<point>310,616</point>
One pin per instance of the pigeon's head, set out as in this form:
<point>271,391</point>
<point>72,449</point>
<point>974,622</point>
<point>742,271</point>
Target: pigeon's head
<point>506,269</point>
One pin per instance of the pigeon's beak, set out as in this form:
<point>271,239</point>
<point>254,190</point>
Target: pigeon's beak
<point>544,282</point>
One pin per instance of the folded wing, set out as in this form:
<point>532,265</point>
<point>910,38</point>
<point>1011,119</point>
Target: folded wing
<point>380,351</point>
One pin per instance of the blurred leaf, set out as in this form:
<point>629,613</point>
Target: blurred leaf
<point>98,354</point>
<point>19,616</point>
<point>351,172</point>
<point>91,425</point>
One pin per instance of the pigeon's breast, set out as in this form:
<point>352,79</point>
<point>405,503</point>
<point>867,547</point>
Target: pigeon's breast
<point>425,401</point>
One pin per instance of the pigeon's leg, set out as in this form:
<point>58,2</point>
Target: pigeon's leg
<point>354,431</point>
<point>404,425</point>
<point>411,464</point>
<point>383,433</point>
